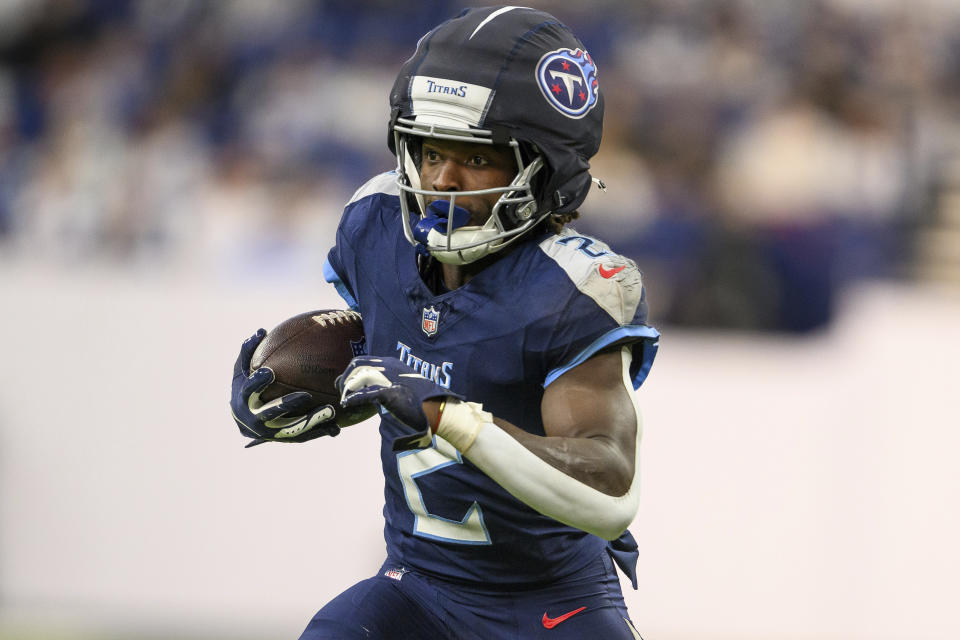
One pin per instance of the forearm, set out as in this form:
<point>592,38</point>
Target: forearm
<point>545,473</point>
<point>594,461</point>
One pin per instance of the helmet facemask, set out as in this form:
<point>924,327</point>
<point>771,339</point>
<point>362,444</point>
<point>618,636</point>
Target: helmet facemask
<point>496,75</point>
<point>442,233</point>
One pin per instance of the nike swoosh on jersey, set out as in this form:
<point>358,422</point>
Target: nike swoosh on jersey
<point>609,273</point>
<point>550,623</point>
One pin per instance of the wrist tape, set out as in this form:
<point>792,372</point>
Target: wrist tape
<point>460,423</point>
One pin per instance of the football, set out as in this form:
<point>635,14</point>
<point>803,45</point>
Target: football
<point>307,352</point>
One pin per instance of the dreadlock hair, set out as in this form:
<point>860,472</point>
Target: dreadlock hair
<point>556,221</point>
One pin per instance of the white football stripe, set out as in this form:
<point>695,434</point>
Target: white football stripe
<point>335,316</point>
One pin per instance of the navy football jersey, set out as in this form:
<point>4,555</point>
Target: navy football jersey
<point>501,339</point>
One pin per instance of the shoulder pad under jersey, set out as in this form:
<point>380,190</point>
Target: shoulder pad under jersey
<point>613,281</point>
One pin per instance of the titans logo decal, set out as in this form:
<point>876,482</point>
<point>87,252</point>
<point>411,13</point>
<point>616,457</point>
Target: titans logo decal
<point>568,80</point>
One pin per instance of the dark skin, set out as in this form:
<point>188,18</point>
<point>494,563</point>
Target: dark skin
<point>588,415</point>
<point>460,166</point>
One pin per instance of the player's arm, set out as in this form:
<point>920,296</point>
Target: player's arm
<point>590,422</point>
<point>583,471</point>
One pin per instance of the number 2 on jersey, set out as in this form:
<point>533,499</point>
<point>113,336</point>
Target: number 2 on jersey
<point>415,464</point>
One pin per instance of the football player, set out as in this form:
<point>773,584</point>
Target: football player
<point>505,349</point>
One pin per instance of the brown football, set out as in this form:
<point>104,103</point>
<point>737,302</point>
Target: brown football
<point>307,352</point>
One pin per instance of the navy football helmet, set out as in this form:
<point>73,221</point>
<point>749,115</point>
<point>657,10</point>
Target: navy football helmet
<point>497,75</point>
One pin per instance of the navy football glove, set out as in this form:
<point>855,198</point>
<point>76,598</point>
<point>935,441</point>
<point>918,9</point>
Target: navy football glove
<point>395,387</point>
<point>286,419</point>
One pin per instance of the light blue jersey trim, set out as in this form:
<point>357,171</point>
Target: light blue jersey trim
<point>331,276</point>
<point>650,338</point>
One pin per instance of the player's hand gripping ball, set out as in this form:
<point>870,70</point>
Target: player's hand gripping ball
<point>284,381</point>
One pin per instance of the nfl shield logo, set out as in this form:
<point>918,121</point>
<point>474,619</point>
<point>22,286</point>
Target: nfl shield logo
<point>396,574</point>
<point>431,317</point>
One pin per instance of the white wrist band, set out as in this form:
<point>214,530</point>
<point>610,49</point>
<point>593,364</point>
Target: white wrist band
<point>461,422</point>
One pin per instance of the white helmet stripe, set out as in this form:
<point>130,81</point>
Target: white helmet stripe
<point>448,102</point>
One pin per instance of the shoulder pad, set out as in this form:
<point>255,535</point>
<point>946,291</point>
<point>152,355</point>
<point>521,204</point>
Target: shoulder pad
<point>611,280</point>
<point>385,183</point>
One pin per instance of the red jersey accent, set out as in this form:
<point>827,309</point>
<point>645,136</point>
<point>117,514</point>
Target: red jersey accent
<point>609,273</point>
<point>550,623</point>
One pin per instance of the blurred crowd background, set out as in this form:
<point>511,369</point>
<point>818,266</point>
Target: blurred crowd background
<point>761,155</point>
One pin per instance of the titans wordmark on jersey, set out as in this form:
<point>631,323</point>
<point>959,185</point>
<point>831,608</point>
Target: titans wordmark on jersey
<point>538,311</point>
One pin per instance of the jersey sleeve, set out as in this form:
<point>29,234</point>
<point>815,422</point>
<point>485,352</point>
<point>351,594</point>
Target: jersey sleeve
<point>332,275</point>
<point>341,267</point>
<point>605,306</point>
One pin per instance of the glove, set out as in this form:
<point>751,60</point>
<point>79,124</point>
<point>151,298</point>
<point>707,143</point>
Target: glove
<point>395,387</point>
<point>286,419</point>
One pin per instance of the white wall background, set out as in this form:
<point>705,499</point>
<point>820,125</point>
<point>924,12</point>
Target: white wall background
<point>793,488</point>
